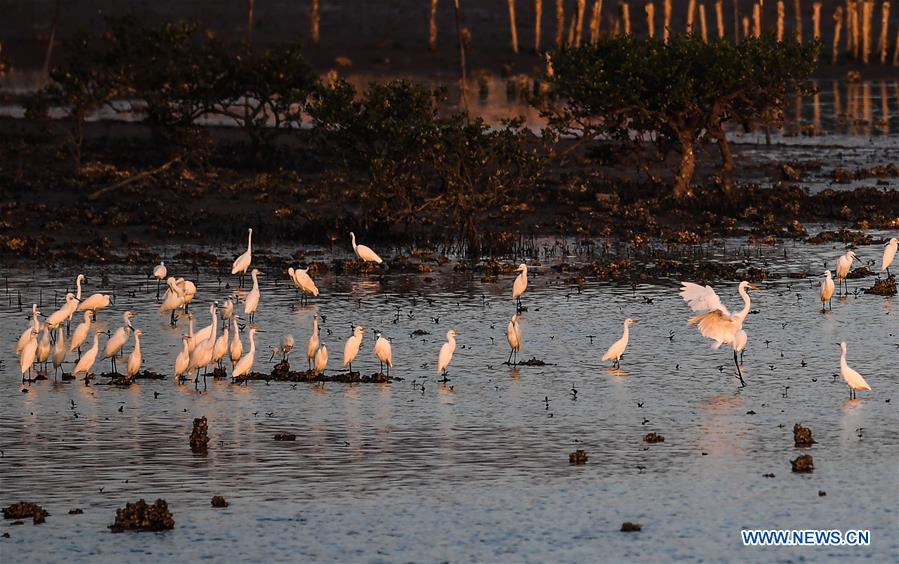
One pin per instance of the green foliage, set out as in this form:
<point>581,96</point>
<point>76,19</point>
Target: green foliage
<point>682,92</point>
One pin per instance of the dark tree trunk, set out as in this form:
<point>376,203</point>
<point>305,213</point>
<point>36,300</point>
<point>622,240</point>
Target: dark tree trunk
<point>687,167</point>
<point>727,165</point>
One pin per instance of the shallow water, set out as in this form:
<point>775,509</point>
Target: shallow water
<point>476,469</point>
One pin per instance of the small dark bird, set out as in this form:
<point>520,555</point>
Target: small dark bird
<point>121,407</point>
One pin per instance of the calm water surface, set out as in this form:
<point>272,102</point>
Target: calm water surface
<point>476,469</point>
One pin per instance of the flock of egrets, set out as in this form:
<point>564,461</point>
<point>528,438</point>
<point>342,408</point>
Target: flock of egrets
<point>43,342</point>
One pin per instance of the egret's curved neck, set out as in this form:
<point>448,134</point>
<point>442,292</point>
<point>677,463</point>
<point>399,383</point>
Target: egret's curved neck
<point>626,329</point>
<point>250,241</point>
<point>136,342</point>
<point>452,341</point>
<point>746,303</point>
<point>255,282</point>
<point>252,344</point>
<point>315,326</point>
<point>353,237</point>
<point>236,329</point>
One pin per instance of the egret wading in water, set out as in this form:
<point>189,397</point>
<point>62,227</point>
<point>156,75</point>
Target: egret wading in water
<point>182,361</point>
<point>159,273</point>
<point>844,265</point>
<point>93,302</point>
<point>173,299</point>
<point>715,321</point>
<point>28,353</point>
<point>81,333</point>
<point>118,339</point>
<point>741,339</point>
<point>312,345</point>
<point>351,348</point>
<point>616,351</point>
<point>43,347</point>
<point>135,358</point>
<point>304,283</point>
<point>513,335</point>
<point>33,327</point>
<point>321,359</point>
<point>889,253</point>
<point>242,369</point>
<point>446,352</point>
<point>220,349</point>
<point>520,284</point>
<point>59,353</point>
<point>58,317</point>
<point>363,252</point>
<point>853,379</point>
<point>827,290</point>
<point>384,353</point>
<point>236,348</point>
<point>287,343</point>
<point>242,263</point>
<point>87,360</point>
<point>252,301</point>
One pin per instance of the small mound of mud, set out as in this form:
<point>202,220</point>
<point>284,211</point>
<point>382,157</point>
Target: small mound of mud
<point>860,272</point>
<point>76,511</point>
<point>285,437</point>
<point>578,457</point>
<point>653,438</point>
<point>199,437</point>
<point>822,493</point>
<point>24,510</point>
<point>883,287</point>
<point>803,463</point>
<point>628,527</point>
<point>219,501</point>
<point>139,516</point>
<point>533,361</point>
<point>280,370</point>
<point>845,236</point>
<point>219,373</point>
<point>802,436</point>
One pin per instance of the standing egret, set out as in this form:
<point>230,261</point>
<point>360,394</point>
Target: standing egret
<point>853,379</point>
<point>513,335</point>
<point>135,358</point>
<point>59,353</point>
<point>739,344</point>
<point>312,345</point>
<point>58,317</point>
<point>520,284</point>
<point>220,349</point>
<point>201,356</point>
<point>87,360</point>
<point>844,264</point>
<point>363,252</point>
<point>28,354</point>
<point>252,301</point>
<point>384,353</point>
<point>227,311</point>
<point>889,253</point>
<point>616,351</point>
<point>304,283</point>
<point>242,263</point>
<point>34,326</point>
<point>188,290</point>
<point>446,352</point>
<point>81,333</point>
<point>43,347</point>
<point>159,273</point>
<point>190,332</point>
<point>351,348</point>
<point>245,364</point>
<point>173,298</point>
<point>287,343</point>
<point>118,339</point>
<point>236,348</point>
<point>321,359</point>
<point>205,332</point>
<point>182,361</point>
<point>717,323</point>
<point>827,289</point>
<point>92,302</point>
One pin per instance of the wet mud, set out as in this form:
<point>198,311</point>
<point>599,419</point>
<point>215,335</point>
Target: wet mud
<point>140,516</point>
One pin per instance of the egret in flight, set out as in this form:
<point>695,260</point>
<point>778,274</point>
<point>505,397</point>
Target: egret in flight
<point>853,379</point>
<point>827,289</point>
<point>513,335</point>
<point>363,252</point>
<point>714,320</point>
<point>616,351</point>
<point>844,264</point>
<point>520,284</point>
<point>446,352</point>
<point>889,253</point>
<point>242,263</point>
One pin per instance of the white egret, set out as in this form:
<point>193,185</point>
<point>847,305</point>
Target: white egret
<point>220,349</point>
<point>81,333</point>
<point>513,335</point>
<point>321,359</point>
<point>227,311</point>
<point>520,284</point>
<point>252,301</point>
<point>173,298</point>
<point>59,352</point>
<point>87,360</point>
<point>844,264</point>
<point>28,353</point>
<point>384,353</point>
<point>190,332</point>
<point>205,332</point>
<point>188,291</point>
<point>351,348</point>
<point>236,348</point>
<point>740,341</point>
<point>94,301</point>
<point>242,263</point>
<point>135,358</point>
<point>889,253</point>
<point>304,283</point>
<point>287,343</point>
<point>716,322</point>
<point>446,352</point>
<point>312,345</point>
<point>182,361</point>
<point>363,252</point>
<point>43,347</point>
<point>34,326</point>
<point>59,316</point>
<point>201,356</point>
<point>853,379</point>
<point>159,273</point>
<point>245,364</point>
<point>827,290</point>
<point>616,351</point>
<point>115,343</point>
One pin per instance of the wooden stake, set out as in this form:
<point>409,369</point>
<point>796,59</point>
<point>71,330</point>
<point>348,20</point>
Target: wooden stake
<point>816,112</point>
<point>50,42</point>
<point>847,20</point>
<point>651,18</point>
<point>315,20</point>
<point>867,13</point>
<point>756,20</point>
<point>667,14</point>
<point>463,73</point>
<point>798,9</point>
<point>571,31</point>
<point>702,24</point>
<point>883,41</point>
<point>626,17</point>
<point>781,12</point>
<point>512,25</point>
<point>816,20</point>
<point>250,22</point>
<point>691,9</point>
<point>856,43</point>
<point>538,17</point>
<point>884,108</point>
<point>719,17</point>
<point>745,26</point>
<point>560,22</point>
<point>432,27</point>
<point>896,57</point>
<point>581,10</point>
<point>594,21</point>
<point>837,26</point>
<point>736,21</point>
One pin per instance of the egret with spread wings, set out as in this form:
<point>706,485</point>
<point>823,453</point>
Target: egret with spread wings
<point>713,319</point>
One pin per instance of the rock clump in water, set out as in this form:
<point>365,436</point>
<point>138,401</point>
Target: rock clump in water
<point>285,437</point>
<point>578,457</point>
<point>219,501</point>
<point>199,437</point>
<point>629,527</point>
<point>139,516</point>
<point>653,438</point>
<point>24,510</point>
<point>802,436</point>
<point>803,464</point>
<point>883,287</point>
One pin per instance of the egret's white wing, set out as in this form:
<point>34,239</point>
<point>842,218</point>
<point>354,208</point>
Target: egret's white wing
<point>888,255</point>
<point>702,298</point>
<point>716,325</point>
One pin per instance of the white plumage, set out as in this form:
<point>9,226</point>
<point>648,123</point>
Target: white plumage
<point>384,353</point>
<point>351,348</point>
<point>135,358</point>
<point>844,265</point>
<point>513,336</point>
<point>364,252</point>
<point>34,326</point>
<point>827,290</point>
<point>304,283</point>
<point>160,271</point>
<point>28,353</point>
<point>446,352</point>
<point>889,253</point>
<point>245,364</point>
<point>182,361</point>
<point>252,301</point>
<point>616,351</point>
<point>853,379</point>
<point>242,263</point>
<point>312,345</point>
<point>86,362</point>
<point>236,348</point>
<point>65,312</point>
<point>81,332</point>
<point>321,359</point>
